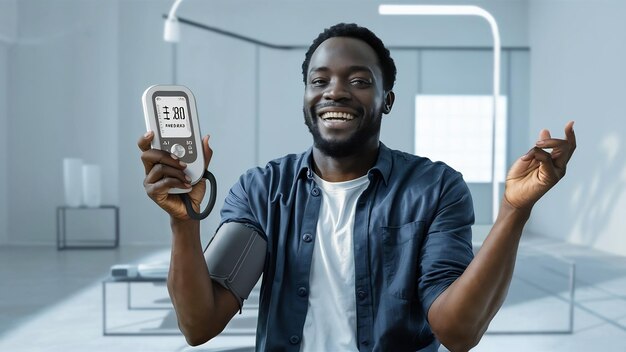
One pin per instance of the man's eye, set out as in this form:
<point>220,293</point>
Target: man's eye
<point>360,82</point>
<point>318,82</point>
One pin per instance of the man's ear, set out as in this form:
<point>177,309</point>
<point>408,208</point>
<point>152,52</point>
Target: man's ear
<point>390,97</point>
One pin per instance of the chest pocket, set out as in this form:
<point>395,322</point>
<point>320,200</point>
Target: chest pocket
<point>401,247</point>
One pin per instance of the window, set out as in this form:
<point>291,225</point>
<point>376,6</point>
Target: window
<point>457,130</point>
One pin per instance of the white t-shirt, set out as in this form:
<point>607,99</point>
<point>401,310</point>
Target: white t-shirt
<point>330,323</point>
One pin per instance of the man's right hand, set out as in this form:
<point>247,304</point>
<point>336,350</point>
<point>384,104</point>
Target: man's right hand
<point>164,171</point>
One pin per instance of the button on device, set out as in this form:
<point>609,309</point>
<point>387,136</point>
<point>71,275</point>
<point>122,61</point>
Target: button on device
<point>307,237</point>
<point>302,291</point>
<point>178,150</point>
<point>294,339</point>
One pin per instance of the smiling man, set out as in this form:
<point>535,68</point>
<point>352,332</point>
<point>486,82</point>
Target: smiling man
<point>366,248</point>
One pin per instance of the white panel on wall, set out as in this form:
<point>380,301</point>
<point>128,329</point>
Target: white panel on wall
<point>458,130</point>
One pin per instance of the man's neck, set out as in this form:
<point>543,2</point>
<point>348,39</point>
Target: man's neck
<point>334,169</point>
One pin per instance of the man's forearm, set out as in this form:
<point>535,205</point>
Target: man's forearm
<point>189,284</point>
<point>461,314</point>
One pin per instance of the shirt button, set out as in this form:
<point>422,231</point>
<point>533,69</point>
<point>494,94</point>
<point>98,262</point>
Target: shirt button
<point>361,294</point>
<point>315,192</point>
<point>365,343</point>
<point>294,339</point>
<point>302,291</point>
<point>307,237</point>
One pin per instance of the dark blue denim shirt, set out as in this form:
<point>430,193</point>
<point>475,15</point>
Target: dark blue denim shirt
<point>412,239</point>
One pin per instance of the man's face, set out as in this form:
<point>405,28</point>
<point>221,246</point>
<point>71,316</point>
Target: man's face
<point>344,96</point>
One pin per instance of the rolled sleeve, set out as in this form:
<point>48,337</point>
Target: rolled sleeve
<point>237,206</point>
<point>447,248</point>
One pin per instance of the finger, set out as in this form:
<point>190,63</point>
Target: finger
<point>160,171</point>
<point>163,186</point>
<point>540,155</point>
<point>208,152</point>
<point>544,134</point>
<point>545,158</point>
<point>155,156</point>
<point>548,142</point>
<point>144,141</point>
<point>552,143</point>
<point>570,136</point>
<point>529,156</point>
<point>562,149</point>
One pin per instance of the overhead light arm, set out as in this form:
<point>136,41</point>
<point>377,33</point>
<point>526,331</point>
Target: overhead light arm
<point>171,29</point>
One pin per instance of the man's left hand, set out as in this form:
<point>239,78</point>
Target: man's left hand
<point>532,175</point>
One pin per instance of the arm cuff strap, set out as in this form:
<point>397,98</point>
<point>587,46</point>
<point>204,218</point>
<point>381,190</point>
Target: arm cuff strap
<point>235,258</point>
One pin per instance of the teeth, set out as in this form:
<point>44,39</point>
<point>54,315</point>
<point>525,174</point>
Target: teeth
<point>334,115</point>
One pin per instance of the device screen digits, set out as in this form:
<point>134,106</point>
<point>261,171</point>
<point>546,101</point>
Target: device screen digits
<point>170,111</point>
<point>175,125</point>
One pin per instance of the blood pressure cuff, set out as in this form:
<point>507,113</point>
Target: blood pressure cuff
<point>235,258</point>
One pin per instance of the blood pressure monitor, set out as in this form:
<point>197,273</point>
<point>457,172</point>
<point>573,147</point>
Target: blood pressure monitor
<point>170,111</point>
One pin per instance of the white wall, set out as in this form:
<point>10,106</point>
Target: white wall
<point>578,73</point>
<point>8,33</point>
<point>87,63</point>
<point>63,103</point>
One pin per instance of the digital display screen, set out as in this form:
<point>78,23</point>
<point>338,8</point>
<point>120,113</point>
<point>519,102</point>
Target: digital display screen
<point>173,116</point>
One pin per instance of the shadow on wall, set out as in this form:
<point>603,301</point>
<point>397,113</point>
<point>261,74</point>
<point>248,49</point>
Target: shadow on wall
<point>594,202</point>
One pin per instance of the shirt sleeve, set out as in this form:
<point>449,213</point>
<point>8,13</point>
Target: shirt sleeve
<point>447,248</point>
<point>237,205</point>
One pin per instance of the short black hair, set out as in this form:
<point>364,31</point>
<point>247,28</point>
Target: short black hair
<point>352,30</point>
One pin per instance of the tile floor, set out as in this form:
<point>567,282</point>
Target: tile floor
<point>52,301</point>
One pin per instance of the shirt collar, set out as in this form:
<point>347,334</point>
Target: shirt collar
<point>383,163</point>
<point>305,165</point>
<point>382,166</point>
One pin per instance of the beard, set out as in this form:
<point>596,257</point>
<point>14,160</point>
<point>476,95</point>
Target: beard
<point>341,148</point>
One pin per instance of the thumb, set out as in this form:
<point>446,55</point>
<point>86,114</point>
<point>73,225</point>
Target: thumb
<point>208,152</point>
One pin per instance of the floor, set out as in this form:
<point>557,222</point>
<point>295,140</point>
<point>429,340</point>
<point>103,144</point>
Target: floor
<point>53,301</point>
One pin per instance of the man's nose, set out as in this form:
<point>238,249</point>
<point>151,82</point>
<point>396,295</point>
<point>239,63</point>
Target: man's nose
<point>336,91</point>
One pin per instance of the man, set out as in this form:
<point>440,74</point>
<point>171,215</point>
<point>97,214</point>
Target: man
<point>367,248</point>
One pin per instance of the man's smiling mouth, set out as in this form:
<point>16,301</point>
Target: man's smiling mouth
<point>336,116</point>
